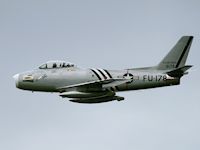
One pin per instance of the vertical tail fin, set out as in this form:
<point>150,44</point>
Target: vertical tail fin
<point>177,56</point>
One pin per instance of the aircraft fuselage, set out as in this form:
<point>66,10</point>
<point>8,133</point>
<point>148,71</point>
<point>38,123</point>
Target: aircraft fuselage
<point>50,80</point>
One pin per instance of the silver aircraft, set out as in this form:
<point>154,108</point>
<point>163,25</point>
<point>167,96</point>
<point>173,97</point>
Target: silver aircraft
<point>96,85</point>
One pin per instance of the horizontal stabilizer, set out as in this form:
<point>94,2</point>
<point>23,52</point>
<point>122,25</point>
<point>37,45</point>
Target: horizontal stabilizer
<point>179,72</point>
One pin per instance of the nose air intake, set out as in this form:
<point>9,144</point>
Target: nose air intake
<point>16,78</point>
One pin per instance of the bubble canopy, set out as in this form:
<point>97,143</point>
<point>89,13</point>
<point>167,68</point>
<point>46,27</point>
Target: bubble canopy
<point>56,64</point>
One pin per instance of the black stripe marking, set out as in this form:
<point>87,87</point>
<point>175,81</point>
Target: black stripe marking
<point>108,73</point>
<point>117,88</point>
<point>96,74</point>
<point>112,89</point>
<point>102,74</point>
<point>183,53</point>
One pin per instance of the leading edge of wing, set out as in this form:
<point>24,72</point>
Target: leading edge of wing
<point>107,83</point>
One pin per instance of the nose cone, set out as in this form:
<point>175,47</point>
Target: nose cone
<point>16,78</point>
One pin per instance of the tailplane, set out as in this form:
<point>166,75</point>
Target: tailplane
<point>176,58</point>
<point>178,72</point>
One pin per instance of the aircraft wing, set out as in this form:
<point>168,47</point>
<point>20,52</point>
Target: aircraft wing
<point>102,83</point>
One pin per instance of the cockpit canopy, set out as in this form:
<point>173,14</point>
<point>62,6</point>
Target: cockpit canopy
<point>56,64</point>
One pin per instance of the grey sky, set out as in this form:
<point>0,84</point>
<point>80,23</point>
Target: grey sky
<point>109,34</point>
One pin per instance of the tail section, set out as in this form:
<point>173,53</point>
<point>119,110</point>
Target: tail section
<point>176,58</point>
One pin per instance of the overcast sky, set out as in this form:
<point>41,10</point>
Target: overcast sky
<point>108,34</point>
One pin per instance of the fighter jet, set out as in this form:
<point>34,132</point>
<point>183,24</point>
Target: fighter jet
<point>97,85</point>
